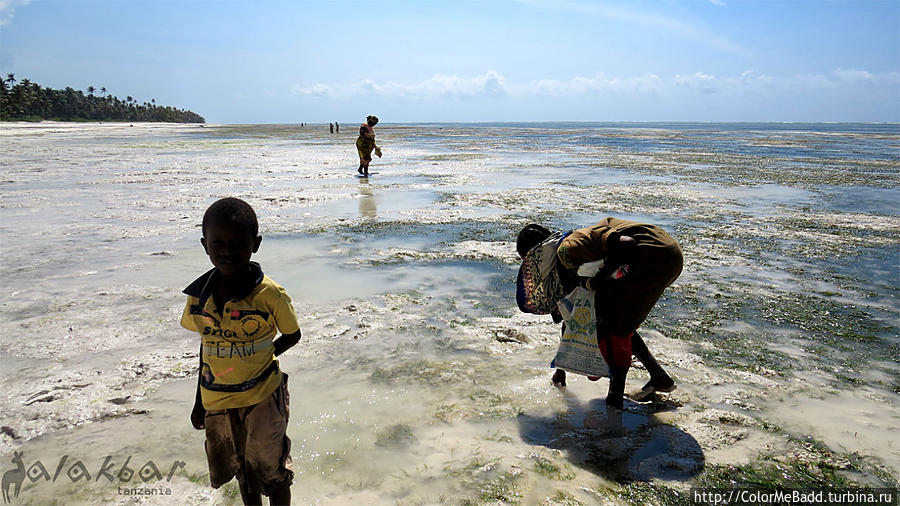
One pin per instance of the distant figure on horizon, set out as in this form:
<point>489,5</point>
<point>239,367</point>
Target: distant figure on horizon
<point>337,128</point>
<point>331,127</point>
<point>365,144</point>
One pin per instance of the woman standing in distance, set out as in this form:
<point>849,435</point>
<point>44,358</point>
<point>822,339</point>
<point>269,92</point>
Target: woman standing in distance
<point>365,144</point>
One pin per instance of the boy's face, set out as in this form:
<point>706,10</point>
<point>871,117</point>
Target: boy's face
<point>229,248</point>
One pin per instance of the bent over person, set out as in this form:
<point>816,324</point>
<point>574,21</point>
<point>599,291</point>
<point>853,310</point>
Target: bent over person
<point>365,144</point>
<point>641,260</point>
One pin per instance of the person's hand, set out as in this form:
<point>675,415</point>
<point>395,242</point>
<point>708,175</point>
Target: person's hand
<point>620,249</point>
<point>198,417</point>
<point>627,242</point>
<point>377,151</point>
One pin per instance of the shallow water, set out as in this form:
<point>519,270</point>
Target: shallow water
<point>417,379</point>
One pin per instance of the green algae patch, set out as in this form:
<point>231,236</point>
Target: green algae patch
<point>421,370</point>
<point>491,481</point>
<point>805,464</point>
<point>396,435</point>
<point>650,494</point>
<point>561,498</point>
<point>550,469</point>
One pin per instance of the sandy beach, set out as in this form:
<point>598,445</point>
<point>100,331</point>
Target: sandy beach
<point>417,380</point>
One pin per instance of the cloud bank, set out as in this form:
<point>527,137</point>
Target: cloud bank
<point>490,84</point>
<point>493,84</point>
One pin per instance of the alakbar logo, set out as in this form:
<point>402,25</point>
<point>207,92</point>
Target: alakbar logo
<point>77,471</point>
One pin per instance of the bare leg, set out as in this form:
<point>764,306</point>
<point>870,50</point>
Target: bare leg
<point>559,377</point>
<point>616,393</point>
<point>659,379</point>
<point>281,495</point>
<point>248,496</point>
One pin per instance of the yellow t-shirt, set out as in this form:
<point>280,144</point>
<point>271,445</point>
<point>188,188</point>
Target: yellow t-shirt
<point>239,366</point>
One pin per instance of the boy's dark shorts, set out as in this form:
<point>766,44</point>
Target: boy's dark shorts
<point>258,433</point>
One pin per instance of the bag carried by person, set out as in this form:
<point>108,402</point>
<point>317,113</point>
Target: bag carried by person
<point>578,350</point>
<point>538,286</point>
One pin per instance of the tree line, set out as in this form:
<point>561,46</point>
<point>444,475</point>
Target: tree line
<point>28,101</point>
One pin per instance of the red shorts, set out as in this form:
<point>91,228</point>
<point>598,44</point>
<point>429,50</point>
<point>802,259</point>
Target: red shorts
<point>616,350</point>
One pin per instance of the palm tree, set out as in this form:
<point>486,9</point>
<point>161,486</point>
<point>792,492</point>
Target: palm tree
<point>11,79</point>
<point>103,90</point>
<point>91,90</point>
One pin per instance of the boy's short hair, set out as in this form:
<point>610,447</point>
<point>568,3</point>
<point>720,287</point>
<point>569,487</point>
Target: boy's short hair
<point>232,212</point>
<point>529,237</point>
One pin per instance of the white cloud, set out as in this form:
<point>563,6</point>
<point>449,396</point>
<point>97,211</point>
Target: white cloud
<point>705,83</point>
<point>7,7</point>
<point>599,83</point>
<point>490,84</point>
<point>493,84</point>
<point>316,90</point>
<point>750,78</point>
<point>853,75</point>
<point>864,76</point>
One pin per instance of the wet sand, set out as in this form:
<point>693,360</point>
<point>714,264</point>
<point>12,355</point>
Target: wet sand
<point>417,380</point>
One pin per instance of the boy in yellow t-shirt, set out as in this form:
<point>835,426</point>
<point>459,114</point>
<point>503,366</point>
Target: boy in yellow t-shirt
<point>242,397</point>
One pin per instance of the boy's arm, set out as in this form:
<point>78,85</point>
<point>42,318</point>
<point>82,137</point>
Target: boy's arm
<point>285,342</point>
<point>198,414</point>
<point>285,320</point>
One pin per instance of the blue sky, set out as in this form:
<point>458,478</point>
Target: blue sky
<point>488,60</point>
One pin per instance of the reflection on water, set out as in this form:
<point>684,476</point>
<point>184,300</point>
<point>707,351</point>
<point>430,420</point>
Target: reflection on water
<point>367,206</point>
